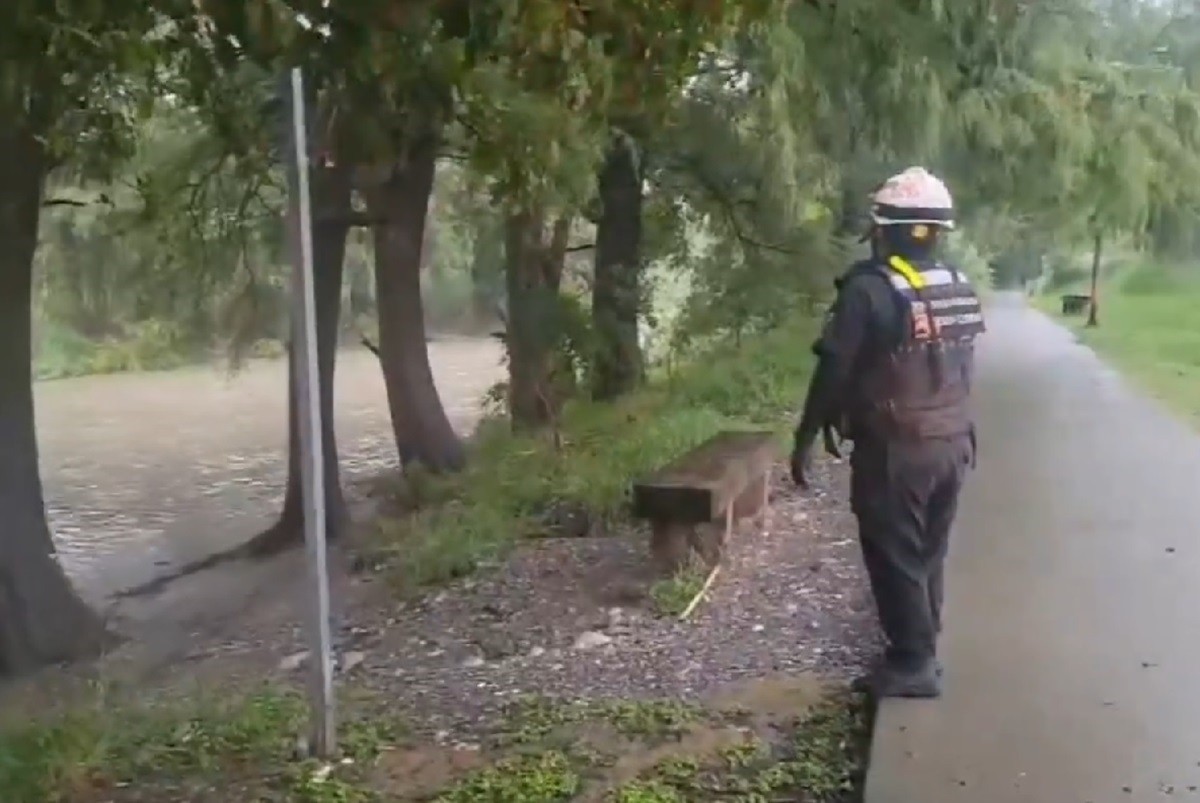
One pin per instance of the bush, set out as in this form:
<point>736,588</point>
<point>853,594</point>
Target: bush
<point>151,345</point>
<point>515,480</point>
<point>1154,278</point>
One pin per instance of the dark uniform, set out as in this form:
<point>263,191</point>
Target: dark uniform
<point>894,375</point>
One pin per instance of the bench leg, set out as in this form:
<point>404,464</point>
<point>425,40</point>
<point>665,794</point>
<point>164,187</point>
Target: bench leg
<point>709,540</point>
<point>752,501</point>
<point>671,545</point>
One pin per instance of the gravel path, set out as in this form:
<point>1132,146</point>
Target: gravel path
<point>570,618</point>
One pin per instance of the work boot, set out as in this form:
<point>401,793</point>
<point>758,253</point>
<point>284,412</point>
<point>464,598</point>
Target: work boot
<point>888,680</point>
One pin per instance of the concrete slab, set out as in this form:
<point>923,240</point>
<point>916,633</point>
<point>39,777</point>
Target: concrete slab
<point>1072,643</point>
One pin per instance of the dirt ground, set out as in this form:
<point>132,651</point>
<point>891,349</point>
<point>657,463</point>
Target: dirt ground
<point>571,617</point>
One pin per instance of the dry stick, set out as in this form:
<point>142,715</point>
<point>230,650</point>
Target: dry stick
<point>700,594</point>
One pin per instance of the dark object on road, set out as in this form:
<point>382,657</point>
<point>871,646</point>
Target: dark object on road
<point>896,360</point>
<point>1075,304</point>
<point>371,347</point>
<point>693,502</point>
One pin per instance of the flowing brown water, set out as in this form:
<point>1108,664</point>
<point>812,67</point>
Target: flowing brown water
<point>147,472</point>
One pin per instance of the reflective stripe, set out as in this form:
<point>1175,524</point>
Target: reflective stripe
<point>929,278</point>
<point>961,319</point>
<point>953,301</point>
<point>911,275</point>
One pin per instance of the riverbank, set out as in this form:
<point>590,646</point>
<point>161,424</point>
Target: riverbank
<point>461,613</point>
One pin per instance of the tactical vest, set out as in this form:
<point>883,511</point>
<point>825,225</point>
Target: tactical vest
<point>921,389</point>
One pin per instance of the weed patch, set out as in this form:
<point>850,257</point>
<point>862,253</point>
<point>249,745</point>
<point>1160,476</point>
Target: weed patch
<point>654,752</point>
<point>119,753</point>
<point>545,751</point>
<point>673,594</point>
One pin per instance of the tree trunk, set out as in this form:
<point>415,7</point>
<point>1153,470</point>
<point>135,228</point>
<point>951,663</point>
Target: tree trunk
<point>1093,318</point>
<point>423,432</point>
<point>331,207</point>
<point>616,288</point>
<point>533,269</point>
<point>42,620</point>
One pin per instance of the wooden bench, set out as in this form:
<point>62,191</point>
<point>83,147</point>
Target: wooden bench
<point>1074,304</point>
<point>693,503</point>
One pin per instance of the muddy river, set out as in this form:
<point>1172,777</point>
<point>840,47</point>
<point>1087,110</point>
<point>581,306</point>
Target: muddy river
<point>148,472</point>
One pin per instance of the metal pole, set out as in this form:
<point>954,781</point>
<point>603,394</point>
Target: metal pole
<point>308,407</point>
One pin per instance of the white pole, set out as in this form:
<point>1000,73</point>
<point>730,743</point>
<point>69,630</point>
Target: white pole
<point>312,464</point>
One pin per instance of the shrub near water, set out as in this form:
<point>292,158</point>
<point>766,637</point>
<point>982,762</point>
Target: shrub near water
<point>462,521</point>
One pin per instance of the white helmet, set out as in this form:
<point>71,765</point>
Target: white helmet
<point>914,196</point>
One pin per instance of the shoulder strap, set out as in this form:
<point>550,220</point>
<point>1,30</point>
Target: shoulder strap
<point>911,275</point>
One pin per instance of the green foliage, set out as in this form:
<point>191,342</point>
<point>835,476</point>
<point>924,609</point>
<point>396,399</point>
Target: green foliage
<point>673,594</point>
<point>813,755</point>
<point>249,741</point>
<point>150,345</point>
<point>545,778</point>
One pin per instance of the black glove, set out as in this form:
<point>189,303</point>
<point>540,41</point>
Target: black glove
<point>802,460</point>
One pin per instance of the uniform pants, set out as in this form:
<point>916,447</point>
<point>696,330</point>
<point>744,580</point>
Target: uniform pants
<point>905,495</point>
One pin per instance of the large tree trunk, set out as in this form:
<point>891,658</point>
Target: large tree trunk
<point>423,432</point>
<point>533,270</point>
<point>1093,318</point>
<point>42,619</point>
<point>331,209</point>
<point>617,285</point>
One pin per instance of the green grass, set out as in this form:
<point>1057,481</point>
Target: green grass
<point>459,523</point>
<point>1150,330</point>
<point>243,749</point>
<point>813,757</point>
<point>178,749</point>
<point>671,595</point>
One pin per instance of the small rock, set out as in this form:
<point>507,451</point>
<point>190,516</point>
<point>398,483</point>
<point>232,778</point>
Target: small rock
<point>494,610</point>
<point>537,652</point>
<point>591,639</point>
<point>496,646</point>
<point>758,628</point>
<point>474,662</point>
<point>352,659</point>
<point>293,662</point>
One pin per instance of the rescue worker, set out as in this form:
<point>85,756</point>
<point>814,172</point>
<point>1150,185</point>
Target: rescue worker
<point>894,372</point>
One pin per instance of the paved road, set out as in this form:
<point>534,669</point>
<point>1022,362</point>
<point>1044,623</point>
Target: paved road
<point>1072,642</point>
<point>148,472</point>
